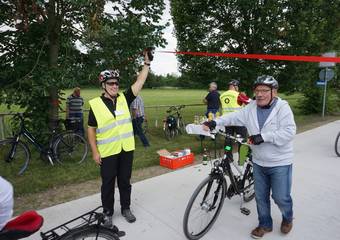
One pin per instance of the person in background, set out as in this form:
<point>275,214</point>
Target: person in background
<point>6,202</point>
<point>111,138</point>
<point>271,126</point>
<point>232,100</point>
<point>138,117</point>
<point>212,100</point>
<point>74,111</point>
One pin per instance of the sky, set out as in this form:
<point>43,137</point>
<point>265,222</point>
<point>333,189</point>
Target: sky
<point>165,63</point>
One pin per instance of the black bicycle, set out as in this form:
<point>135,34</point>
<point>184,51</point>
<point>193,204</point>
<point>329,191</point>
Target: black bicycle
<point>87,226</point>
<point>64,147</point>
<point>173,124</point>
<point>207,200</point>
<point>337,145</point>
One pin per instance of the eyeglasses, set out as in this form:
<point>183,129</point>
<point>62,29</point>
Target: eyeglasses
<point>257,91</point>
<point>112,83</point>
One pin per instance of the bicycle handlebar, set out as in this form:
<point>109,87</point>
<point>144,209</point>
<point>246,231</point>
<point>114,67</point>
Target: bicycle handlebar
<point>240,140</point>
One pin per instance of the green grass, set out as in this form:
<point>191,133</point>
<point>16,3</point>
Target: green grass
<point>41,176</point>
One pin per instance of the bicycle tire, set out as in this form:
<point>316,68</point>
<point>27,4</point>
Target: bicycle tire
<point>337,145</point>
<point>70,148</point>
<point>215,185</point>
<point>167,133</point>
<point>181,126</point>
<point>20,160</point>
<point>90,232</point>
<point>248,186</point>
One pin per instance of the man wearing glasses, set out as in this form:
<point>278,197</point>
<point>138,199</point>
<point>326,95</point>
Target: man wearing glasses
<point>271,126</point>
<point>111,138</point>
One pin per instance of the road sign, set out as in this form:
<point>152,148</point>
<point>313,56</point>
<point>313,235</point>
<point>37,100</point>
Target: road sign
<point>320,83</point>
<point>326,74</point>
<point>327,64</point>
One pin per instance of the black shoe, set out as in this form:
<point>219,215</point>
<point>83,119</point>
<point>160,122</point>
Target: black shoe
<point>128,215</point>
<point>108,221</point>
<point>116,231</point>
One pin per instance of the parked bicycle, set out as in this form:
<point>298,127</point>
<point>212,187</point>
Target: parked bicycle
<point>207,200</point>
<point>173,124</point>
<point>64,147</point>
<point>87,226</point>
<point>337,145</point>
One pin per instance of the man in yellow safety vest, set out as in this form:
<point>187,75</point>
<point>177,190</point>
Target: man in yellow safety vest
<point>111,138</point>
<point>231,101</point>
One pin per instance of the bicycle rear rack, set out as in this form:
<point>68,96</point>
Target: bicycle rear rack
<point>84,220</point>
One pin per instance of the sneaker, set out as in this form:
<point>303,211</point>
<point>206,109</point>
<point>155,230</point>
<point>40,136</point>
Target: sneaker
<point>128,215</point>
<point>108,221</point>
<point>286,227</point>
<point>259,232</point>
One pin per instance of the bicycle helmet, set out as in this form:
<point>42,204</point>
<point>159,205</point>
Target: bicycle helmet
<point>266,80</point>
<point>108,74</point>
<point>234,82</point>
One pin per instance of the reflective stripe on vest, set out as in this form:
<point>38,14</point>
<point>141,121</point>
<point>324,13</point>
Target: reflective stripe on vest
<point>113,134</point>
<point>229,101</point>
<point>114,139</point>
<point>114,124</point>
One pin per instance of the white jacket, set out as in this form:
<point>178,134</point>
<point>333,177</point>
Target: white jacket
<point>278,132</point>
<point>6,202</point>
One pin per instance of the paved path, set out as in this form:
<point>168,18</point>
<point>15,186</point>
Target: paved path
<point>159,202</point>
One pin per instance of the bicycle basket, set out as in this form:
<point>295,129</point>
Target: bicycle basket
<point>171,122</point>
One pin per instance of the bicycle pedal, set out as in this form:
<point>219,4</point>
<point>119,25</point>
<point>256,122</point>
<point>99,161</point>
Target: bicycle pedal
<point>245,211</point>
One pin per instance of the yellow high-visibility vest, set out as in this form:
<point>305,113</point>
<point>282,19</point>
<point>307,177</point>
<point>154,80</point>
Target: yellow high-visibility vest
<point>229,102</point>
<point>113,134</point>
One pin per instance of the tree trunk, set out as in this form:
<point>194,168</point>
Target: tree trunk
<point>53,37</point>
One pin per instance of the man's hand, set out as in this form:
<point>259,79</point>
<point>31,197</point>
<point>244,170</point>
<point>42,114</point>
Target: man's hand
<point>148,54</point>
<point>209,125</point>
<point>96,157</point>
<point>255,139</point>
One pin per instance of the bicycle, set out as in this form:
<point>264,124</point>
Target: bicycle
<point>207,200</point>
<point>173,124</point>
<point>87,226</point>
<point>64,147</point>
<point>337,145</point>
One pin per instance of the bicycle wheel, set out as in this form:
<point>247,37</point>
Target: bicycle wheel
<point>90,232</point>
<point>248,186</point>
<point>337,145</point>
<point>181,126</point>
<point>167,133</point>
<point>18,162</point>
<point>70,147</point>
<point>204,207</point>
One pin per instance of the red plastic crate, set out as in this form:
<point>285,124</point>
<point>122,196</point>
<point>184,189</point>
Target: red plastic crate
<point>174,163</point>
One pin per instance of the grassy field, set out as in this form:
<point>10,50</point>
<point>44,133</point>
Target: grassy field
<point>41,176</point>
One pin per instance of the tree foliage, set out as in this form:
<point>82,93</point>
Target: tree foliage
<point>50,45</point>
<point>292,27</point>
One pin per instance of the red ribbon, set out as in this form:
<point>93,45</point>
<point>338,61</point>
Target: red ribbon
<point>261,56</point>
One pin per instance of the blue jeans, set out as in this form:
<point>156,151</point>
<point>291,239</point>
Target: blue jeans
<point>279,181</point>
<point>137,128</point>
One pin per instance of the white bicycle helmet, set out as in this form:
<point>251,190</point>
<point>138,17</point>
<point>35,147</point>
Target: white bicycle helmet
<point>108,74</point>
<point>266,80</point>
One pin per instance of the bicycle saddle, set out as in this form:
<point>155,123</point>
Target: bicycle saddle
<point>22,226</point>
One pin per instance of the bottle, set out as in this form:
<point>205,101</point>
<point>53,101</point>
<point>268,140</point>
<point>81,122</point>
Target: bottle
<point>205,157</point>
<point>196,119</point>
<point>210,116</point>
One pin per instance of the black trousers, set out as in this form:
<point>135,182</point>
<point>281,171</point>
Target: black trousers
<point>116,166</point>
<point>232,130</point>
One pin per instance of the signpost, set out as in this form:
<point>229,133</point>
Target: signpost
<point>325,75</point>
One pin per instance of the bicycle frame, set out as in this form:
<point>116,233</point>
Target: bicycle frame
<point>24,131</point>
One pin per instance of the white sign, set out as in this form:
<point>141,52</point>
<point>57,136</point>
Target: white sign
<point>327,64</point>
